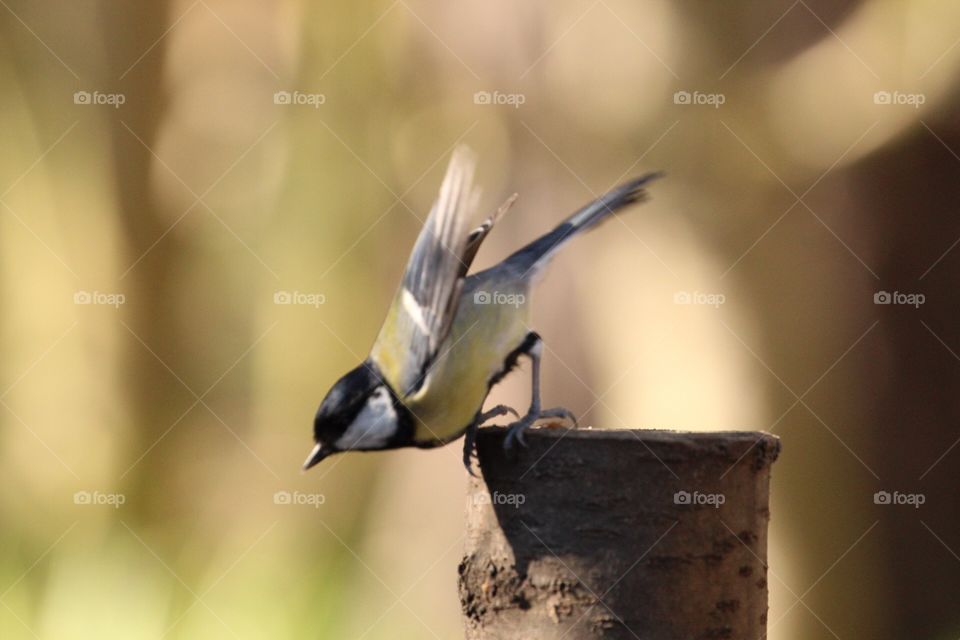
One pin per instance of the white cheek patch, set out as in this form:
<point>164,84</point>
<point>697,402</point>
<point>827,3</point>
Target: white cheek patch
<point>374,425</point>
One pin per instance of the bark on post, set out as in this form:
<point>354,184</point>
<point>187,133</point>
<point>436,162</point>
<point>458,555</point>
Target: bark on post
<point>655,535</point>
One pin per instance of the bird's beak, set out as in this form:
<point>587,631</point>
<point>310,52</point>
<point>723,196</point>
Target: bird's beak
<point>318,454</point>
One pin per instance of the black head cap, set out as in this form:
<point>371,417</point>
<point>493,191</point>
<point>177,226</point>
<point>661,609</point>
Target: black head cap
<point>340,407</point>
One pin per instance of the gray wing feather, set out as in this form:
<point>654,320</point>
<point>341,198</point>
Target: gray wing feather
<point>423,309</point>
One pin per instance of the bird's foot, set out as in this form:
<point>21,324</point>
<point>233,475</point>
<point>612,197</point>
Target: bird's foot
<point>470,437</point>
<point>515,432</point>
<point>470,448</point>
<point>496,412</point>
<point>560,412</point>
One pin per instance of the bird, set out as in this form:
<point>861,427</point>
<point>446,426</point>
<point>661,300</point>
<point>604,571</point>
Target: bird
<point>449,336</point>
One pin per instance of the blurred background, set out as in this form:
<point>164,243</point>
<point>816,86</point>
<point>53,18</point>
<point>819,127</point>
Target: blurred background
<point>205,208</point>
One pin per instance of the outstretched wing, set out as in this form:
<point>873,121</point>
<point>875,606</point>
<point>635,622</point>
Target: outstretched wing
<point>422,311</point>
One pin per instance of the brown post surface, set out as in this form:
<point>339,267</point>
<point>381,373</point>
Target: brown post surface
<point>656,535</point>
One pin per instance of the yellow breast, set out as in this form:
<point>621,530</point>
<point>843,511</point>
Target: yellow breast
<point>488,326</point>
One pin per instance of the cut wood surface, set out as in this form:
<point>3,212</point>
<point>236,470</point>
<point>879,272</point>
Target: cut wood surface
<point>657,535</point>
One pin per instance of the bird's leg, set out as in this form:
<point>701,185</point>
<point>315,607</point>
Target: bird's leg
<point>517,428</point>
<point>534,413</point>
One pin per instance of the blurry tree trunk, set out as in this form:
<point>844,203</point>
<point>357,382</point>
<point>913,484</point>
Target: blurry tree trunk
<point>618,534</point>
<point>135,52</point>
<point>915,213</point>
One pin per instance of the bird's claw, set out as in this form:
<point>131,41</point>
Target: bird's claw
<point>560,412</point>
<point>470,442</point>
<point>515,430</point>
<point>496,412</point>
<point>470,448</point>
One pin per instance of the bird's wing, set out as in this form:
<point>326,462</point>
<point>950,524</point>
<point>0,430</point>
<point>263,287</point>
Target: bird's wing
<point>422,311</point>
<point>477,236</point>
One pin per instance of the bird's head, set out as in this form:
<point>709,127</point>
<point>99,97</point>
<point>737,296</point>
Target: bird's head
<point>358,413</point>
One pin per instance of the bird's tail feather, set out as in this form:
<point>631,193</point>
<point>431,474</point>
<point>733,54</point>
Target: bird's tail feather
<point>535,255</point>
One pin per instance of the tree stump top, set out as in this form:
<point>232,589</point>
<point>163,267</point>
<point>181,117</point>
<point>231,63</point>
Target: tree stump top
<point>618,533</point>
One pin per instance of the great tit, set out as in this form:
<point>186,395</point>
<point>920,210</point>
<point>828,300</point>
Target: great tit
<point>449,337</point>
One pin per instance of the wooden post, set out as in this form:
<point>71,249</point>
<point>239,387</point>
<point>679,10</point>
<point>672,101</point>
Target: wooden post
<point>655,535</point>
